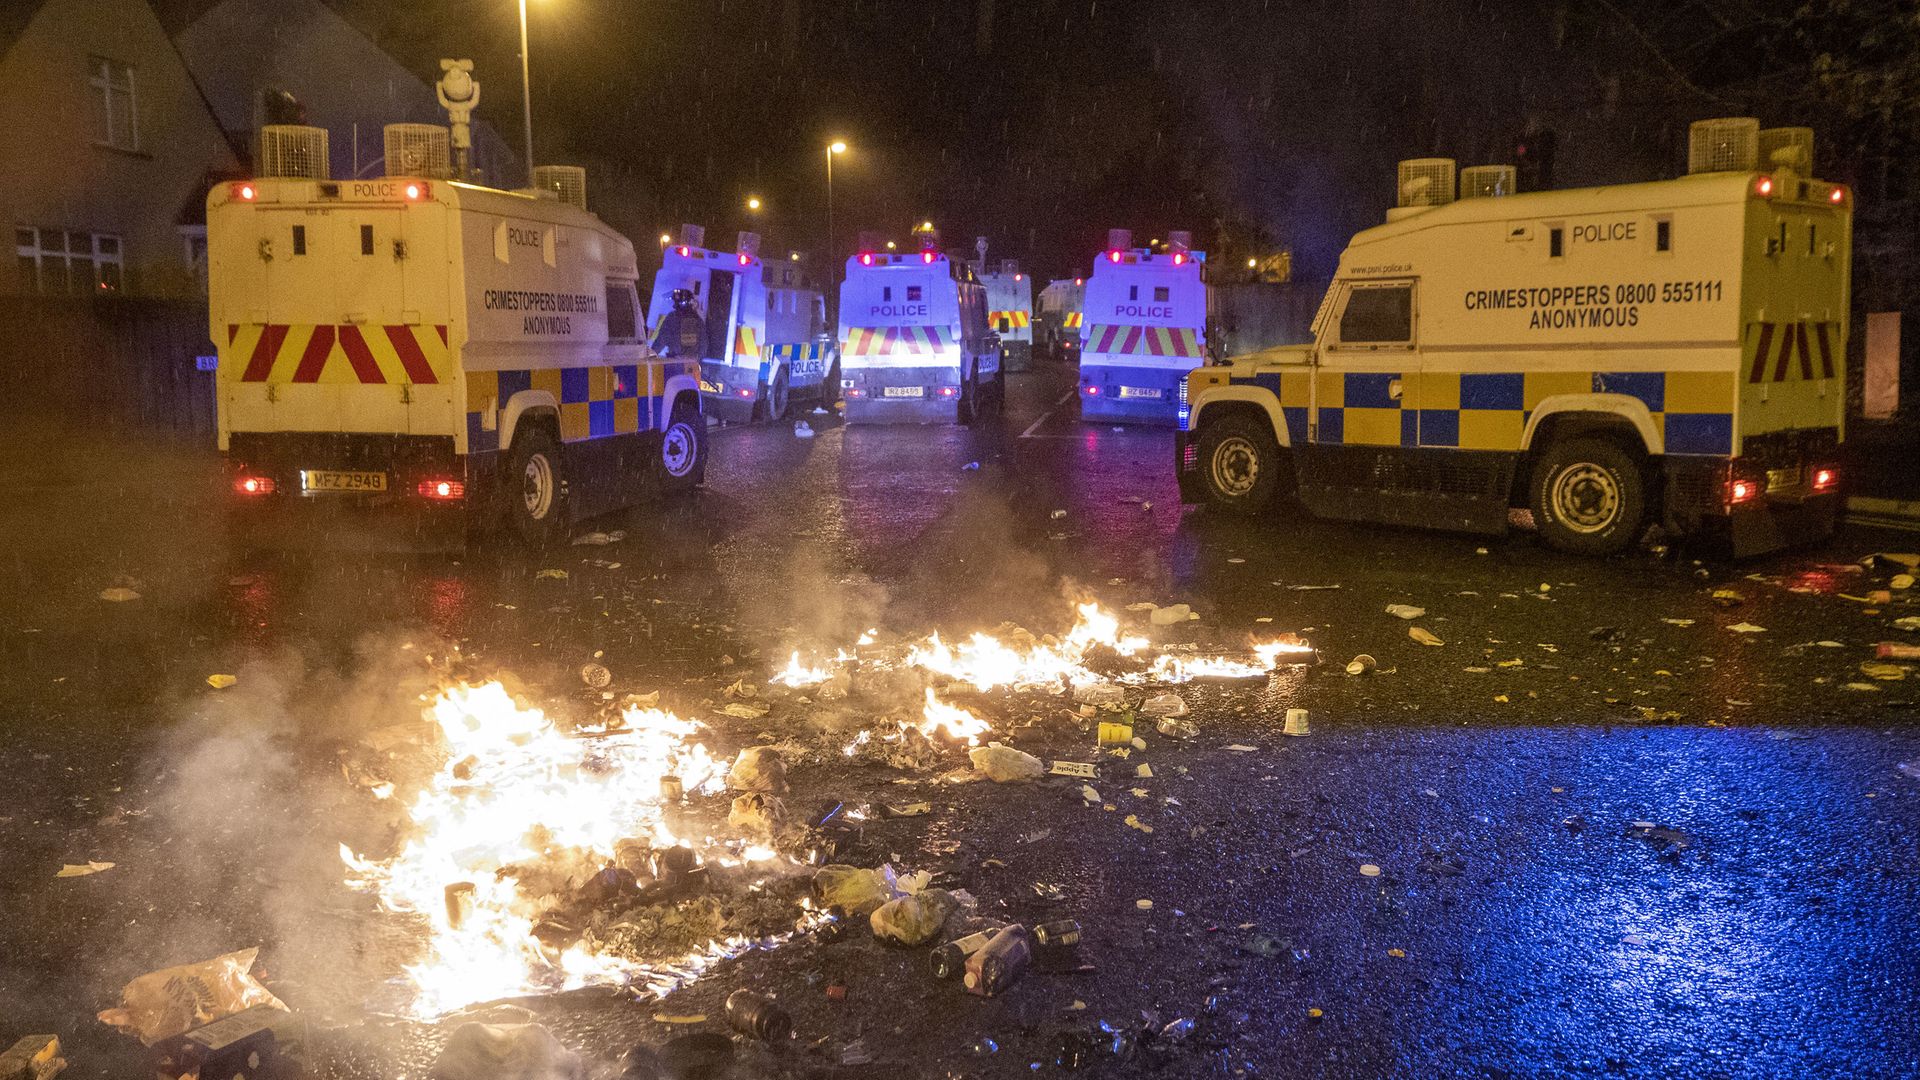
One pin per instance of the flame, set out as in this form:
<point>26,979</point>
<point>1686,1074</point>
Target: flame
<point>796,676</point>
<point>952,720</point>
<point>515,796</point>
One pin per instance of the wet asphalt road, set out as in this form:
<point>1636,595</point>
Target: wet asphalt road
<point>1518,927</point>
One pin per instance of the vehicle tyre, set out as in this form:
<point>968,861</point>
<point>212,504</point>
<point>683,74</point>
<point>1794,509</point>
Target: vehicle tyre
<point>1242,467</point>
<point>968,392</point>
<point>681,462</point>
<point>536,488</point>
<point>830,387</point>
<point>1588,496</point>
<point>779,395</point>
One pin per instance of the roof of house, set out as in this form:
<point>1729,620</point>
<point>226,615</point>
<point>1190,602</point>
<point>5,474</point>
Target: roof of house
<point>14,18</point>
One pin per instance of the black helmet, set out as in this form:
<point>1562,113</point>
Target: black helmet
<point>683,300</point>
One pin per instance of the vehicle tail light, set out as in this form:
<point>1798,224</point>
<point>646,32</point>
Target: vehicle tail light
<point>1763,187</point>
<point>253,485</point>
<point>1179,258</point>
<point>244,192</point>
<point>1741,490</point>
<point>683,251</point>
<point>1093,391</point>
<point>442,489</point>
<point>866,258</point>
<point>417,190</point>
<point>745,259</point>
<point>1113,256</point>
<point>948,391</point>
<point>745,392</point>
<point>854,391</point>
<point>926,257</point>
<point>1825,479</point>
<point>1837,196</point>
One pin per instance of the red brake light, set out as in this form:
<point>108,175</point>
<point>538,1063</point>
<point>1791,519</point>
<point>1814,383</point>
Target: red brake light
<point>745,259</point>
<point>1837,196</point>
<point>244,192</point>
<point>1763,187</point>
<point>926,257</point>
<point>253,485</point>
<point>683,251</point>
<point>417,190</point>
<point>1093,391</point>
<point>1740,491</point>
<point>1179,258</point>
<point>1113,256</point>
<point>866,258</point>
<point>1079,281</point>
<point>1825,479</point>
<point>947,391</point>
<point>442,489</point>
<point>744,392</point>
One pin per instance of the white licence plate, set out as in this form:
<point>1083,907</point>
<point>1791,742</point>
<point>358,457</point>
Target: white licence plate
<point>904,391</point>
<point>334,480</point>
<point>710,388</point>
<point>1139,392</point>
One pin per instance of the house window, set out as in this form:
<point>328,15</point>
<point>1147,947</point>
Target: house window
<point>74,263</point>
<point>114,119</point>
<point>195,239</point>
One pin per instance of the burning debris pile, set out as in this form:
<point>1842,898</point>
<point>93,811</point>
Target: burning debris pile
<point>537,857</point>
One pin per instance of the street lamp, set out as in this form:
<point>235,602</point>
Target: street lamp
<point>834,147</point>
<point>526,92</point>
<point>753,202</point>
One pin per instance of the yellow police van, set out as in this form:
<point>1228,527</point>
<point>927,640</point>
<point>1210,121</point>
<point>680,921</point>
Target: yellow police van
<point>403,357</point>
<point>1671,351</point>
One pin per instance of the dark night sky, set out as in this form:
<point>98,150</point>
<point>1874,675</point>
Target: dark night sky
<point>1256,124</point>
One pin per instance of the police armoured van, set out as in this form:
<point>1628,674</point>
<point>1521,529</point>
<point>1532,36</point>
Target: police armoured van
<point>765,343</point>
<point>914,342</point>
<point>412,354</point>
<point>1009,308</point>
<point>1145,317</point>
<point>1057,318</point>
<point>1670,351</point>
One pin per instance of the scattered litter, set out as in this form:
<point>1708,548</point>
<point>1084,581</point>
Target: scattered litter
<point>913,920</point>
<point>1901,581</point>
<point>152,1008</point>
<point>1894,650</point>
<point>1058,514</point>
<point>802,429</point>
<point>1747,628</point>
<point>1114,734</point>
<point>1133,822</point>
<point>1089,795</point>
<point>1886,560</point>
<point>33,1057</point>
<point>1164,705</point>
<point>119,594</point>
<point>1907,622</point>
<point>756,1015</point>
<point>855,1053</point>
<point>679,1018</point>
<point>1883,672</point>
<point>1144,605</point>
<point>1173,613</point>
<point>1083,769</point>
<point>1099,694</point>
<point>557,575</point>
<point>1240,748</point>
<point>1004,764</point>
<point>1175,727</point>
<point>1405,611</point>
<point>1910,768</point>
<point>741,710</point>
<point>1397,954</point>
<point>1424,636</point>
<point>595,675</point>
<point>1296,723</point>
<point>1310,588</point>
<point>917,809</point>
<point>1369,870</point>
<point>1144,771</point>
<point>1143,905</point>
<point>1046,891</point>
<point>83,869</point>
<point>758,768</point>
<point>485,1051</point>
<point>1000,963</point>
<point>599,539</point>
<point>1665,838</point>
<point>1236,559</point>
<point>221,682</point>
<point>1361,664</point>
<point>1728,598</point>
<point>1863,686</point>
<point>971,466</point>
<point>1678,622</point>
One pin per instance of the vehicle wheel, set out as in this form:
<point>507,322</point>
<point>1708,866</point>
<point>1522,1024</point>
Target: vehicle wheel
<point>830,387</point>
<point>968,402</point>
<point>1588,496</point>
<point>682,461</point>
<point>1241,466</point>
<point>536,489</point>
<point>779,397</point>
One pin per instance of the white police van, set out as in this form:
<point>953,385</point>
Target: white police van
<point>1009,308</point>
<point>766,341</point>
<point>1144,328</point>
<point>914,342</point>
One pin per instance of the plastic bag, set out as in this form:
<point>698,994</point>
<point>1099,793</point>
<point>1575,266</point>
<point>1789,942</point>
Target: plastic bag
<point>175,1000</point>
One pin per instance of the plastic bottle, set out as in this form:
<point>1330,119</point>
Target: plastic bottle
<point>949,961</point>
<point>1000,963</point>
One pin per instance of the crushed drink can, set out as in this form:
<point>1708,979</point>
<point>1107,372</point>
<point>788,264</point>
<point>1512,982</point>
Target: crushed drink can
<point>756,1015</point>
<point>949,961</point>
<point>1058,934</point>
<point>1112,734</point>
<point>1000,963</point>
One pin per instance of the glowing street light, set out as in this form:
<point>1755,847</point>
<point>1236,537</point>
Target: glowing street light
<point>753,202</point>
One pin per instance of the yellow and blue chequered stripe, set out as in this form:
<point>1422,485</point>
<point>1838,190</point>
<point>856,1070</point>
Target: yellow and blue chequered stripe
<point>594,401</point>
<point>1489,410</point>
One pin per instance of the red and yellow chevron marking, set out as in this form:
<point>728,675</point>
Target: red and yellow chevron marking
<point>1017,320</point>
<point>1795,343</point>
<point>746,342</point>
<point>347,353</point>
<point>895,340</point>
<point>1144,341</point>
<point>1072,320</point>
